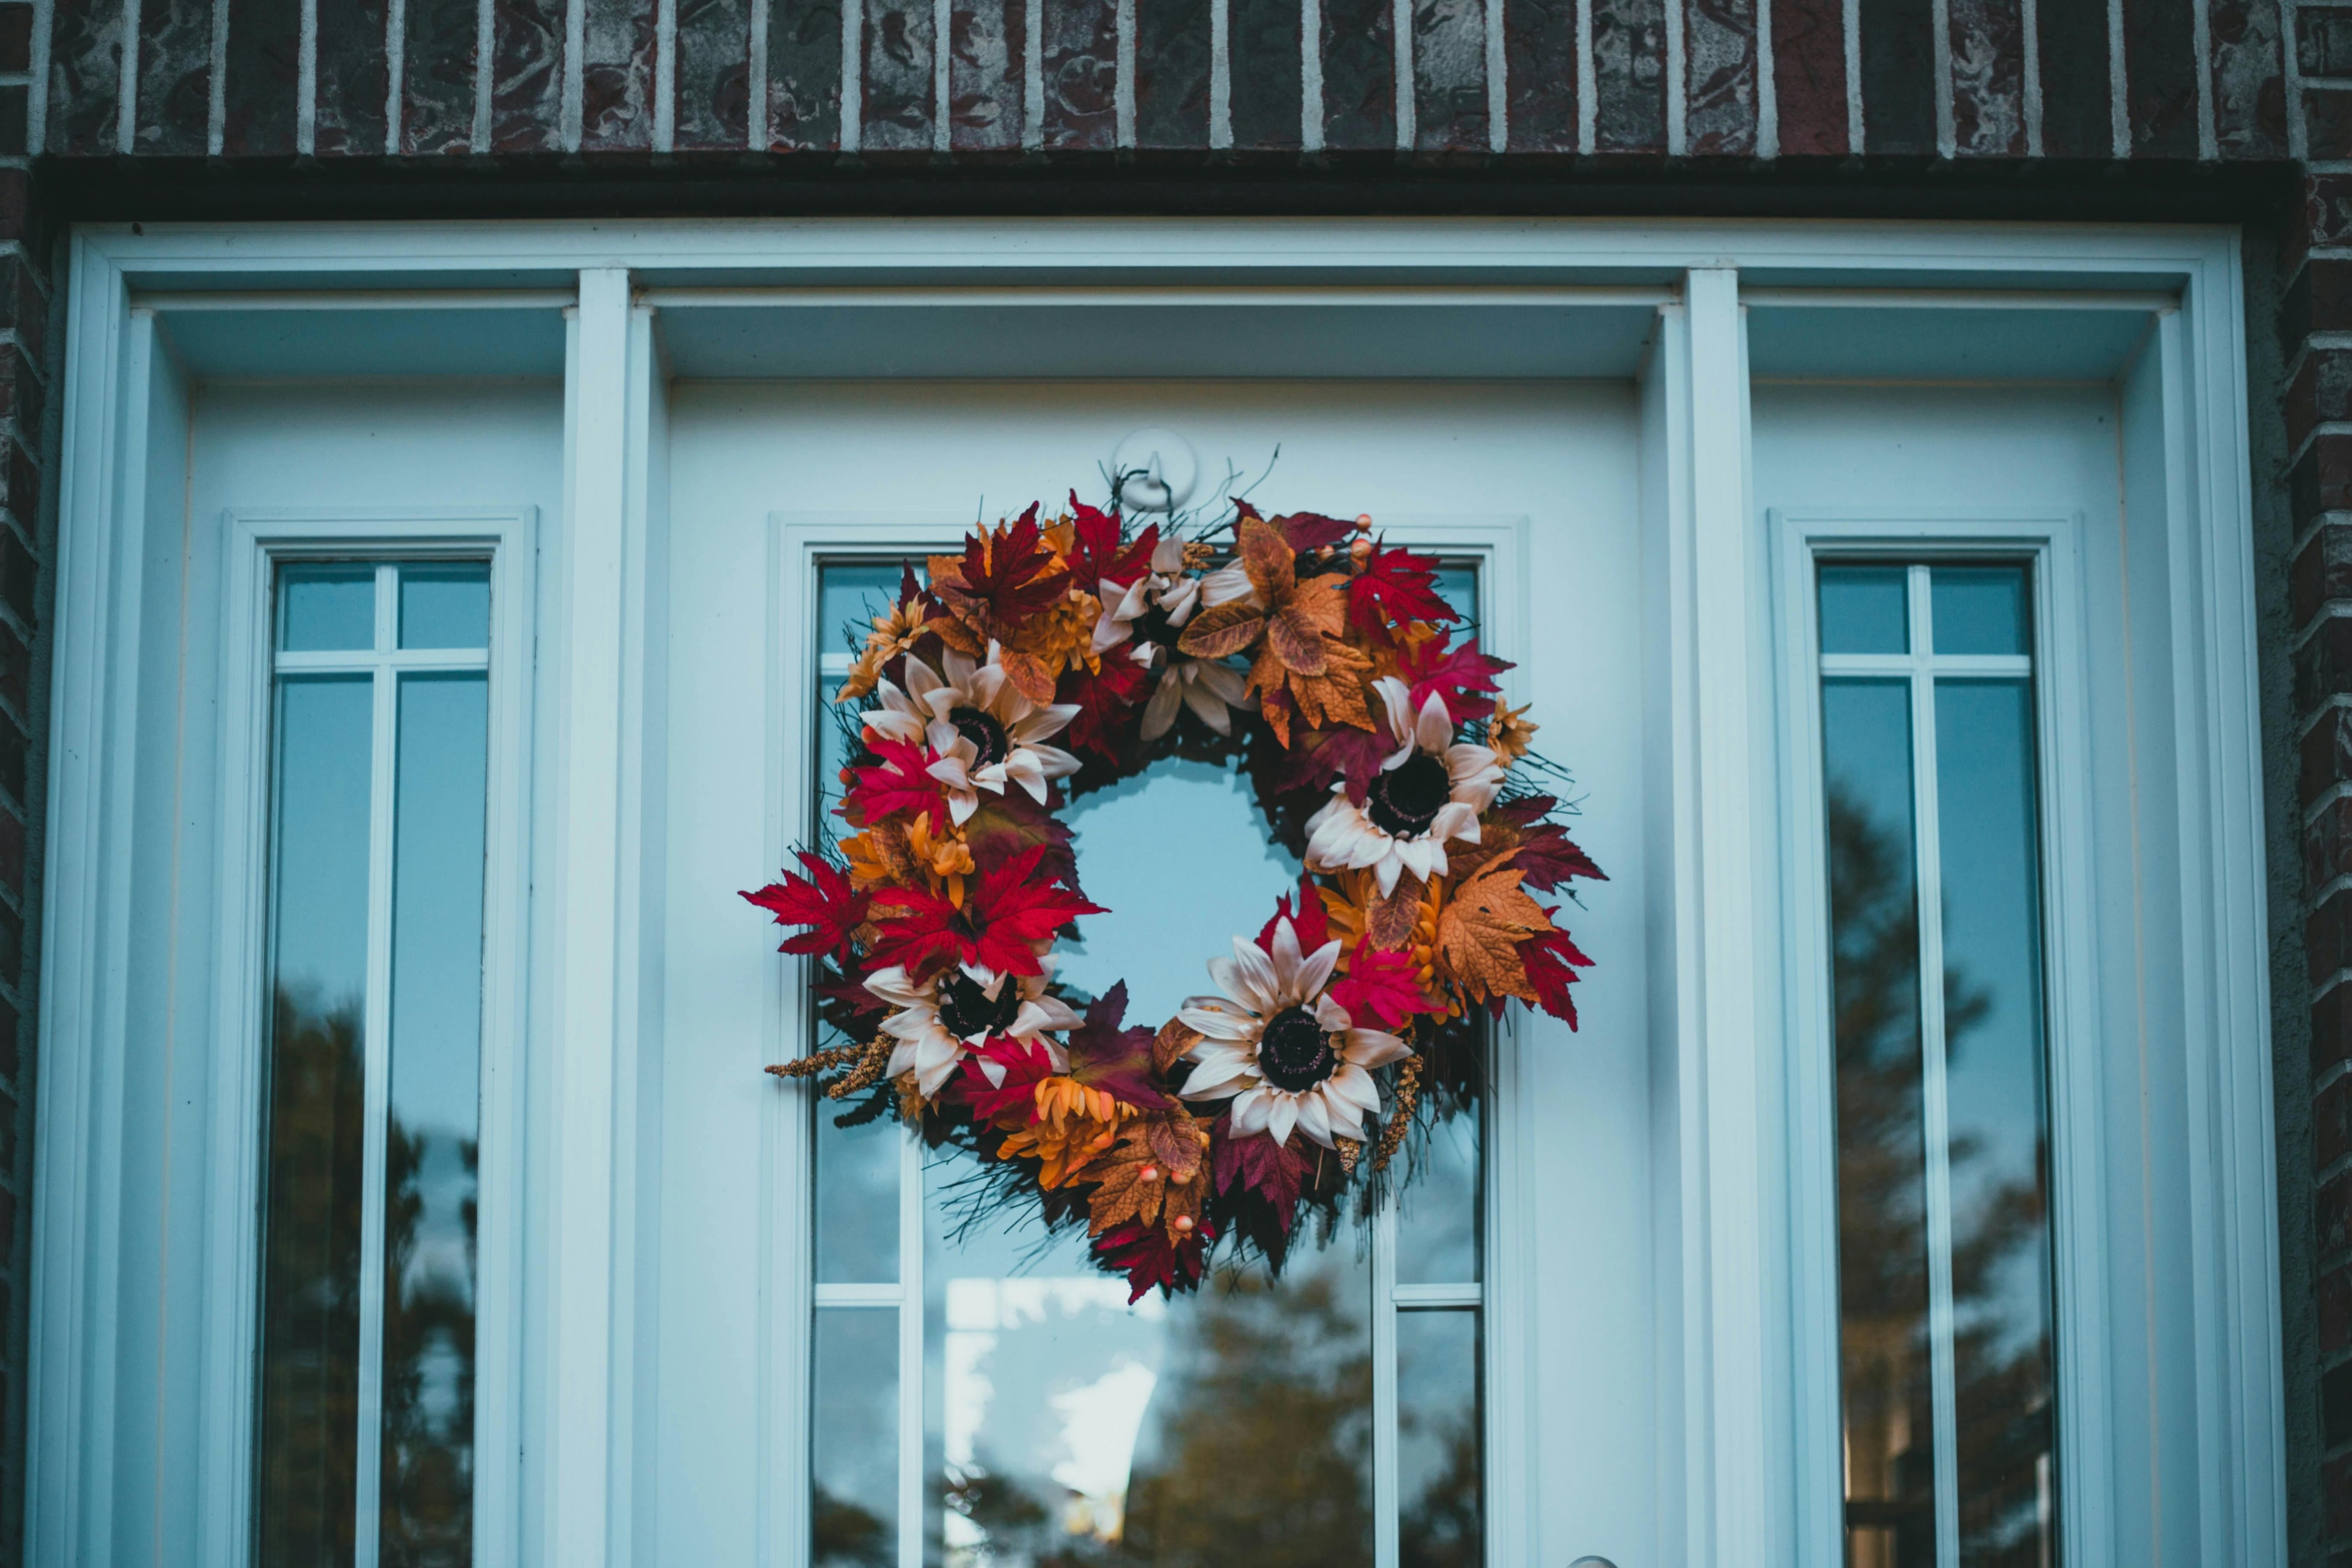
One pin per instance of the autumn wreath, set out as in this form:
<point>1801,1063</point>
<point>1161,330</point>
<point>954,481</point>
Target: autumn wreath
<point>1327,664</point>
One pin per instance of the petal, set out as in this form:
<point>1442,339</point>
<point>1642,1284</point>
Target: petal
<point>1207,704</point>
<point>962,803</point>
<point>1435,730</point>
<point>922,681</point>
<point>1281,1116</point>
<point>1044,723</point>
<point>1373,1048</point>
<point>1454,819</point>
<point>1054,762</point>
<point>1353,1084</point>
<point>1286,961</point>
<point>1258,969</point>
<point>1346,1118</point>
<point>893,986</point>
<point>1385,873</point>
<point>902,1060</point>
<point>1224,682</point>
<point>1215,1080</point>
<point>1397,699</point>
<point>1226,586</point>
<point>1315,1118</point>
<point>1315,972</point>
<point>1161,712</point>
<point>1333,1018</point>
<point>1219,1018</point>
<point>1252,1108</point>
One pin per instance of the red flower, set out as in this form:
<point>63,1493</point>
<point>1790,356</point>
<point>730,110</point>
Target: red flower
<point>1006,912</point>
<point>1382,983</point>
<point>822,900</point>
<point>1308,920</point>
<point>1395,586</point>
<point>1106,701</point>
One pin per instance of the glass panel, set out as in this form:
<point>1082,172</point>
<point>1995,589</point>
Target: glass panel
<point>1863,610</point>
<point>1458,587</point>
<point>849,596</point>
<point>326,608</point>
<point>1998,1117</point>
<point>856,1197</point>
<point>308,1419</point>
<point>1063,1425</point>
<point>1441,1501</point>
<point>433,1137</point>
<point>1437,1230</point>
<point>445,605</point>
<point>1881,1150</point>
<point>1978,610</point>
<point>854,1455</point>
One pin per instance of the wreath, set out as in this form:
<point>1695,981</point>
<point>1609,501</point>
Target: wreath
<point>1322,662</point>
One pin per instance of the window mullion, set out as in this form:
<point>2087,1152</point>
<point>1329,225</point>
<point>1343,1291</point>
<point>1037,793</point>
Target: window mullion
<point>1935,1108</point>
<point>1384,1386</point>
<point>377,1046</point>
<point>911,1351</point>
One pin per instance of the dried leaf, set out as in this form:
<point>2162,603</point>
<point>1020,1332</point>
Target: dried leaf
<point>1295,641</point>
<point>1267,556</point>
<point>1030,675</point>
<point>1389,924</point>
<point>1479,931</point>
<point>1135,1180</point>
<point>1222,631</point>
<point>1324,602</point>
<point>1175,1038</point>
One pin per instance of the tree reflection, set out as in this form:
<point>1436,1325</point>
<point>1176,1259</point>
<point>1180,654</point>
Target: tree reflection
<point>428,1347</point>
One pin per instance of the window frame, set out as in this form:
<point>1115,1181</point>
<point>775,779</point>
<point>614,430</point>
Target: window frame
<point>1801,541</point>
<point>257,543</point>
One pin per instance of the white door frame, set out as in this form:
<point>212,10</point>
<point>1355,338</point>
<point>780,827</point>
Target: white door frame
<point>1720,1030</point>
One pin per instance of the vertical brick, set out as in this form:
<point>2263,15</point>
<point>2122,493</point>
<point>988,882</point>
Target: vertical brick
<point>12,852</point>
<point>1629,75</point>
<point>2248,78</point>
<point>1988,50</point>
<point>2336,1483</point>
<point>2322,570</point>
<point>2330,1110</point>
<point>804,110</point>
<point>175,76</point>
<point>527,75</point>
<point>1539,75</point>
<point>1719,67</point>
<point>354,76</point>
<point>1079,47</point>
<point>436,97</point>
<point>15,36</point>
<point>1449,76</point>
<point>2327,121</point>
<point>19,574</point>
<point>1171,73</point>
<point>13,100</point>
<point>714,75</point>
<point>2160,68</point>
<point>261,73</point>
<point>2335,1310</point>
<point>1898,84</point>
<point>987,45</point>
<point>85,75</point>
<point>1808,76</point>
<point>617,76</point>
<point>2074,99</point>
<point>1359,78</point>
<point>898,44</point>
<point>1263,67</point>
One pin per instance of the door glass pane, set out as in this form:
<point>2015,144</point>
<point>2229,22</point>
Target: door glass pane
<point>1441,1503</point>
<point>323,608</point>
<point>1978,610</point>
<point>1995,1077</point>
<point>854,1445</point>
<point>1881,1151</point>
<point>308,1424</point>
<point>1438,1230</point>
<point>445,604</point>
<point>856,1197</point>
<point>1863,610</point>
<point>433,1137</point>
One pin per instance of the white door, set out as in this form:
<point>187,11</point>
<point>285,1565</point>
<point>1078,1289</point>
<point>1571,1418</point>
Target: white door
<point>1403,1391</point>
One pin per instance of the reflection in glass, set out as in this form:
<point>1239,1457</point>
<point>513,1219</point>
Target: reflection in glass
<point>432,1137</point>
<point>854,1450</point>
<point>326,608</point>
<point>1438,1233</point>
<point>1863,610</point>
<point>856,1198</point>
<point>1978,610</point>
<point>445,604</point>
<point>309,1418</point>
<point>1441,1503</point>
<point>1881,1149</point>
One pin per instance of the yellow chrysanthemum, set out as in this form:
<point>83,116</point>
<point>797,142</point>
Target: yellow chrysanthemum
<point>893,634</point>
<point>1509,734</point>
<point>1074,1124</point>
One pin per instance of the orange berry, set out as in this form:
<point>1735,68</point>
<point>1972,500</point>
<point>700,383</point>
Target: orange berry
<point>1149,1172</point>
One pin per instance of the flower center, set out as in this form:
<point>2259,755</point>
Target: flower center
<point>1406,799</point>
<point>1294,1053</point>
<point>986,735</point>
<point>966,1008</point>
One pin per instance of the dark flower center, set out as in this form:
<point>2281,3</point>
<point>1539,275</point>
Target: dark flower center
<point>966,1008</point>
<point>986,735</point>
<point>1294,1052</point>
<point>1406,799</point>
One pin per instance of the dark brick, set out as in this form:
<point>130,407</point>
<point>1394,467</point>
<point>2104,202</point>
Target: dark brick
<point>18,575</point>
<point>2323,664</point>
<point>1539,74</point>
<point>12,853</point>
<point>2075,122</point>
<point>14,748</point>
<point>2248,78</point>
<point>9,1028</point>
<point>85,75</point>
<point>2319,300</point>
<point>1079,49</point>
<point>1898,89</point>
<point>20,483</point>
<point>1808,76</point>
<point>262,73</point>
<point>2336,1480</point>
<point>2332,1213</point>
<point>2160,68</point>
<point>987,45</point>
<point>804,74</point>
<point>1359,79</point>
<point>2323,43</point>
<point>23,394</point>
<point>1449,76</point>
<point>1629,71</point>
<point>16,36</point>
<point>2331,1123</point>
<point>1988,53</point>
<point>2320,394</point>
<point>1264,72</point>
<point>2327,122</point>
<point>897,75</point>
<point>2335,1311</point>
<point>2327,937</point>
<point>13,103</point>
<point>12,946</point>
<point>1720,65</point>
<point>175,76</point>
<point>526,75</point>
<point>2326,753</point>
<point>354,78</point>
<point>1171,73</point>
<point>714,75</point>
<point>617,78</point>
<point>2321,480</point>
<point>2323,571</point>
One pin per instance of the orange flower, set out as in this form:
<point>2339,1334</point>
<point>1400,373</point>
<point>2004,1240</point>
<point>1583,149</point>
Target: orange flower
<point>1074,1124</point>
<point>893,634</point>
<point>1509,734</point>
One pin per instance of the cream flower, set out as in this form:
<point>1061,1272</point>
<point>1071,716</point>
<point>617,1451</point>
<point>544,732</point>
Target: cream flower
<point>1280,1050</point>
<point>939,1021</point>
<point>1429,790</point>
<point>1208,688</point>
<point>983,732</point>
<point>1166,588</point>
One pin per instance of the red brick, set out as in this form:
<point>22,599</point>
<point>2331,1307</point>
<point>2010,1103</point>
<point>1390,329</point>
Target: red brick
<point>2331,1123</point>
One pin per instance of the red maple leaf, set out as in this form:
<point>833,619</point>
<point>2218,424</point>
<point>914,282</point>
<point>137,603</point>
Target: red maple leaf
<point>1106,700</point>
<point>1104,1055</point>
<point>1308,920</point>
<point>1008,573</point>
<point>1310,531</point>
<point>1145,1254</point>
<point>1006,912</point>
<point>900,781</point>
<point>1463,676</point>
<point>1096,554</point>
<point>1026,1065</point>
<point>1396,586</point>
<point>1316,757</point>
<point>1382,985</point>
<point>1274,1172</point>
<point>1548,956</point>
<point>822,900</point>
<point>1546,852</point>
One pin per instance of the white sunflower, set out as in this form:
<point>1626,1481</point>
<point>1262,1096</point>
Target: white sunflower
<point>941,1020</point>
<point>1430,791</point>
<point>1163,599</point>
<point>983,730</point>
<point>1285,1053</point>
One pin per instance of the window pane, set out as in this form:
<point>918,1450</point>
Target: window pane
<point>1978,610</point>
<point>849,596</point>
<point>309,1420</point>
<point>433,1137</point>
<point>1881,1150</point>
<point>1998,1117</point>
<point>1458,587</point>
<point>1437,1230</point>
<point>445,605</point>
<point>856,1196</point>
<point>854,1448</point>
<point>326,607</point>
<point>1441,1500</point>
<point>1863,610</point>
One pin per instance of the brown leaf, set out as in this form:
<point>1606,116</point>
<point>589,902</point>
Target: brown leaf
<point>1224,630</point>
<point>1295,641</point>
<point>1175,1038</point>
<point>1389,924</point>
<point>1479,931</point>
<point>1029,674</point>
<point>1156,1156</point>
<point>1324,602</point>
<point>1181,1141</point>
<point>1267,556</point>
